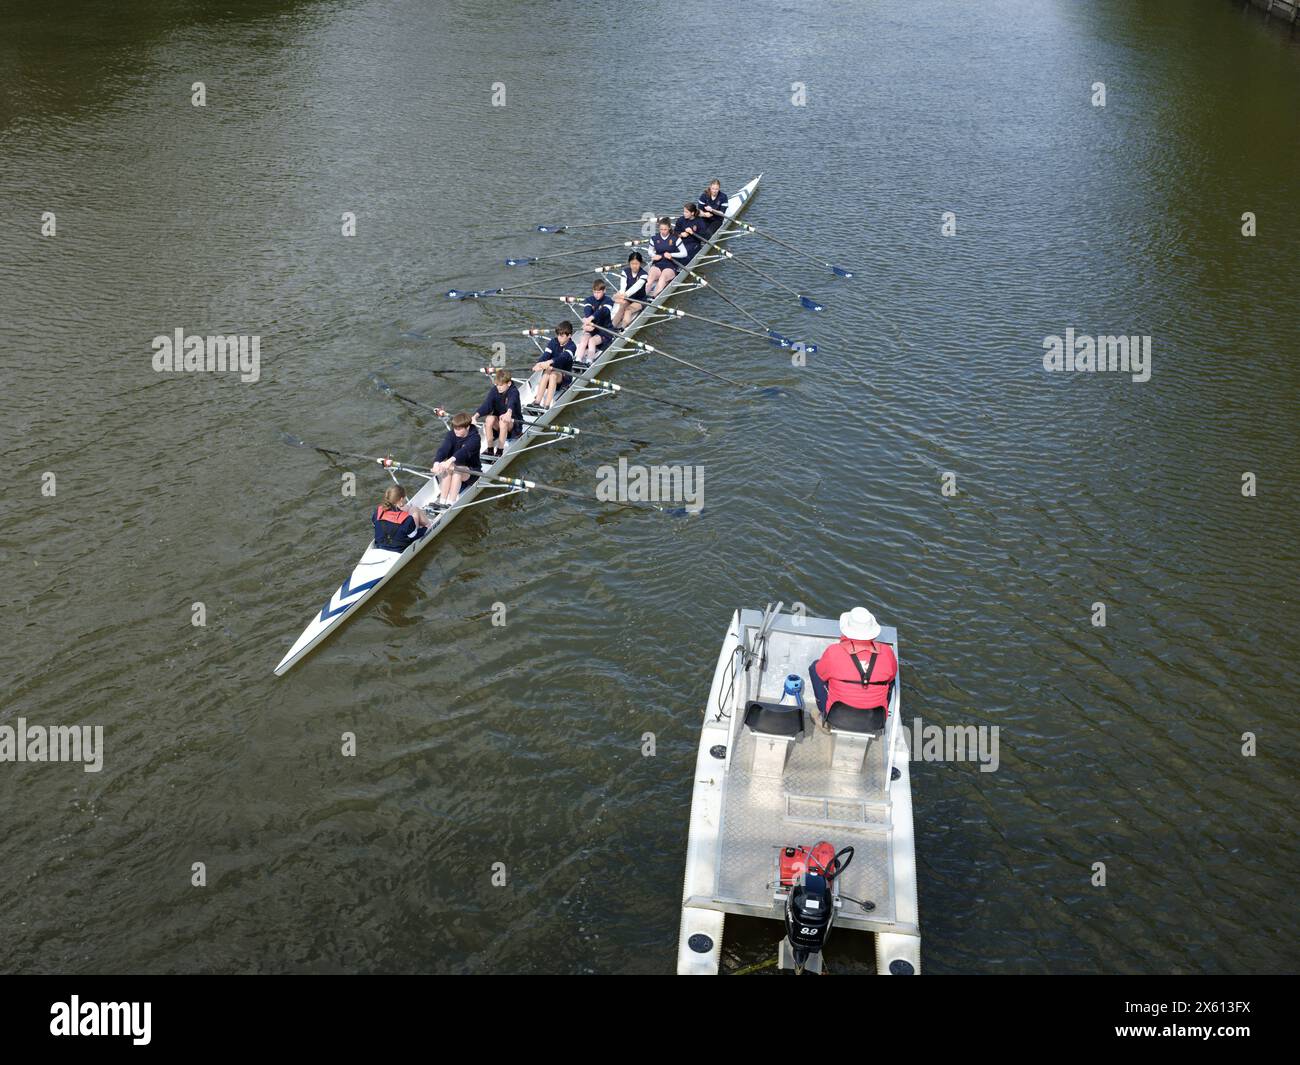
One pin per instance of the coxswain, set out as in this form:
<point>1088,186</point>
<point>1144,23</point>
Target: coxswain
<point>667,255</point>
<point>397,523</point>
<point>503,418</point>
<point>460,447</point>
<point>690,227</point>
<point>597,323</point>
<point>557,358</point>
<point>630,297</point>
<point>713,207</point>
<point>852,678</point>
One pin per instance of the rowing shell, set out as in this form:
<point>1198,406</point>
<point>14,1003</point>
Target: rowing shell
<point>378,566</point>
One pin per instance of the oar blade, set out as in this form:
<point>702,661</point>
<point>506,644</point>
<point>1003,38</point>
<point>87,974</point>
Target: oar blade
<point>521,262</point>
<point>810,303</point>
<point>551,229</point>
<point>839,271</point>
<point>472,294</point>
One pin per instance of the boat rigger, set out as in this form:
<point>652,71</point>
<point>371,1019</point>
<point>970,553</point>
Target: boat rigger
<point>801,809</point>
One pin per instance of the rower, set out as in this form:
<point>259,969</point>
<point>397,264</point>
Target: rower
<point>501,414</point>
<point>690,227</point>
<point>667,254</point>
<point>597,323</point>
<point>460,447</point>
<point>713,207</point>
<point>397,523</point>
<point>557,358</point>
<point>630,297</point>
<point>852,678</point>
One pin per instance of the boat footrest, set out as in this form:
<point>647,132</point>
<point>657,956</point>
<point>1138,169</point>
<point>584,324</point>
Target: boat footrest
<point>834,811</point>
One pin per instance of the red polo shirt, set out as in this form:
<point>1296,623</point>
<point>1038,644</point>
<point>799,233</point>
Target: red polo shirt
<point>844,682</point>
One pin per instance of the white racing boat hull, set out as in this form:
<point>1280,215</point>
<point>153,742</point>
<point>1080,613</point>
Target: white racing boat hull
<point>378,566</point>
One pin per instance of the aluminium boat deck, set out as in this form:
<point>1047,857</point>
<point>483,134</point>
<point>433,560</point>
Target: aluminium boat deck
<point>741,818</point>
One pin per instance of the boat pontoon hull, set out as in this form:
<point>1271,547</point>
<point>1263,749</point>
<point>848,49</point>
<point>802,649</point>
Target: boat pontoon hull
<point>755,793</point>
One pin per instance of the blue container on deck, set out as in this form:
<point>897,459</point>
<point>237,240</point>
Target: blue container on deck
<point>793,694</point>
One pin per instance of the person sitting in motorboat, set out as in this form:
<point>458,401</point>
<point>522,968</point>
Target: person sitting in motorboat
<point>597,323</point>
<point>852,679</point>
<point>503,419</point>
<point>555,360</point>
<point>460,447</point>
<point>397,523</point>
<point>713,207</point>
<point>690,227</point>
<point>630,297</point>
<point>667,254</point>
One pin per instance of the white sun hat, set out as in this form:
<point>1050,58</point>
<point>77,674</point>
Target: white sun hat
<point>859,624</point>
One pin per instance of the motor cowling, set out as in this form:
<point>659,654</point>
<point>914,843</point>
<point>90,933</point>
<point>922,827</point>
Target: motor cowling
<point>809,874</point>
<point>809,913</point>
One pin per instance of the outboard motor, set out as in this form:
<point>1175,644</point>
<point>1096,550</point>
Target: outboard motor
<point>810,902</point>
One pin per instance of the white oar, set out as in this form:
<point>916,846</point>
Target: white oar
<point>532,427</point>
<point>390,465</point>
<point>806,301</point>
<point>640,393</point>
<point>597,382</point>
<point>838,271</point>
<point>531,332</point>
<point>587,225</point>
<point>709,286</point>
<point>776,337</point>
<point>527,486</point>
<point>650,349</point>
<point>510,295</point>
<point>771,334</point>
<point>386,461</point>
<point>528,260</point>
<point>473,294</point>
<point>388,389</point>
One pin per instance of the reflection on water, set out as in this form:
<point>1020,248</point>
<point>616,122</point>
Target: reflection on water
<point>521,744</point>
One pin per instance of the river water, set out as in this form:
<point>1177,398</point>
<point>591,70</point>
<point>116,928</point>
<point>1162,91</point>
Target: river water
<point>480,744</point>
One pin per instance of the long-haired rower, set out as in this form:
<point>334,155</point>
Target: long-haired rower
<point>690,227</point>
<point>667,254</point>
<point>713,206</point>
<point>397,523</point>
<point>630,297</point>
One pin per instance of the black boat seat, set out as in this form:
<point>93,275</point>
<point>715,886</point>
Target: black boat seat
<point>850,719</point>
<point>774,719</point>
